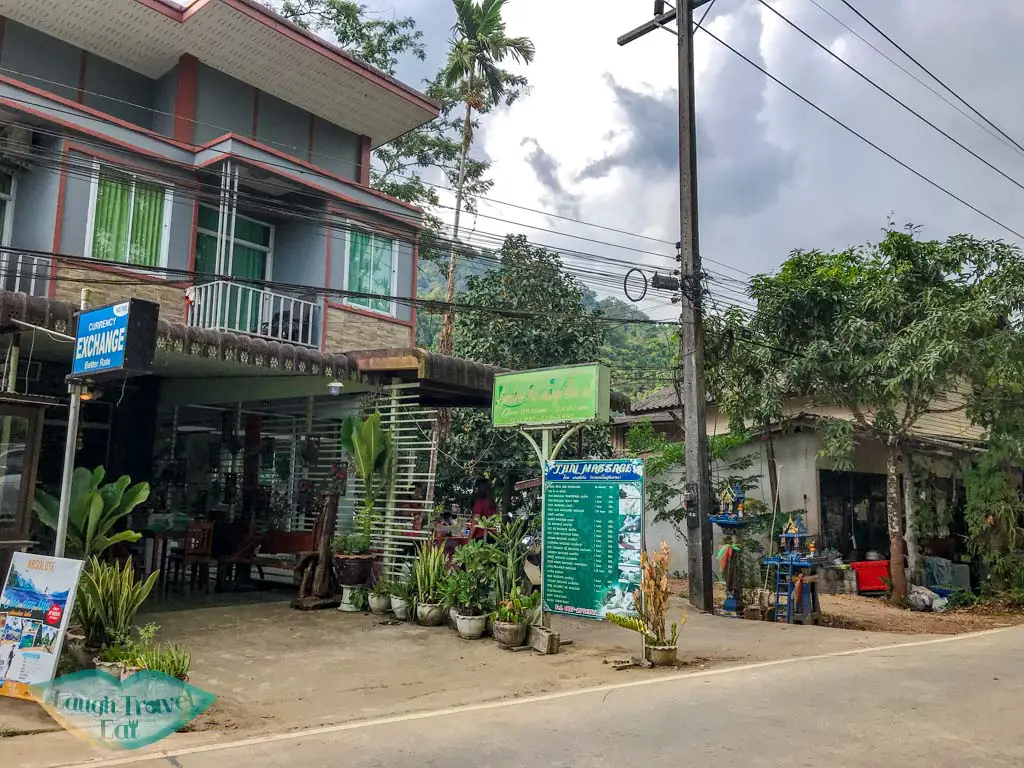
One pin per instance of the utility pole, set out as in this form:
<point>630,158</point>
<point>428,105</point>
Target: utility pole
<point>697,500</point>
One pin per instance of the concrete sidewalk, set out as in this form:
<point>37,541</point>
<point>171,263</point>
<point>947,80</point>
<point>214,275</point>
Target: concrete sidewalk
<point>275,669</point>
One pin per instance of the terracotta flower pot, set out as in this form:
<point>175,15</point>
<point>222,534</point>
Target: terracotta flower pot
<point>508,634</point>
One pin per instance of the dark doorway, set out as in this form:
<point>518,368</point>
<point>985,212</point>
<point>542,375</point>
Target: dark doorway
<point>853,513</point>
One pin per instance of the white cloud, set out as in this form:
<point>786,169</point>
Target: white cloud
<point>774,174</point>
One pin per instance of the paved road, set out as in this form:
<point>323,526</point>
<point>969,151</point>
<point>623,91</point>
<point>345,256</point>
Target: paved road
<point>935,704</point>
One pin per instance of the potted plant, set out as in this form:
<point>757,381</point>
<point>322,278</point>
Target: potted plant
<point>352,559</point>
<point>472,596</point>
<point>651,605</point>
<point>109,596</point>
<point>402,600</point>
<point>373,455</point>
<point>429,572</point>
<point>510,619</point>
<point>174,660</point>
<point>449,599</point>
<point>380,596</point>
<point>121,657</point>
<point>96,508</point>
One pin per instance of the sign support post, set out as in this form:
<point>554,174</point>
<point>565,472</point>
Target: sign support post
<point>543,400</point>
<point>70,446</point>
<point>545,453</point>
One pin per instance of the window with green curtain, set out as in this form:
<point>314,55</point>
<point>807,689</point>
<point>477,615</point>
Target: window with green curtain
<point>370,270</point>
<point>147,229</point>
<point>128,221</point>
<point>252,246</point>
<point>206,254</point>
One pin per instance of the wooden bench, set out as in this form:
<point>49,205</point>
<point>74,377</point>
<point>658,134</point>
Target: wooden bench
<point>257,551</point>
<point>295,544</point>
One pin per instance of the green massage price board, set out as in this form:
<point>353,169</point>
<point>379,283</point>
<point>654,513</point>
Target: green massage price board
<point>593,536</point>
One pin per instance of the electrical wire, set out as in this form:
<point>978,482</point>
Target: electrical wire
<point>864,138</point>
<point>991,166</point>
<point>414,218</point>
<point>206,194</point>
<point>932,75</point>
<point>984,123</point>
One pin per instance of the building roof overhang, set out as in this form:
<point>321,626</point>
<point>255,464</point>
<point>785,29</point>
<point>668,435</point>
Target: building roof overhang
<point>212,352</point>
<point>243,39</point>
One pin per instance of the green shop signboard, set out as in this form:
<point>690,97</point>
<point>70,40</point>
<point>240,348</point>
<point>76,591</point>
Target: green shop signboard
<point>593,536</point>
<point>551,396</point>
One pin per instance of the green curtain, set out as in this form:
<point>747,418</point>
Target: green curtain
<point>252,232</point>
<point>360,267</point>
<point>147,225</point>
<point>248,263</point>
<point>206,254</point>
<point>110,229</point>
<point>381,272</point>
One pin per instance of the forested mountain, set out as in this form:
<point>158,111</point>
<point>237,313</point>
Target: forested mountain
<point>641,356</point>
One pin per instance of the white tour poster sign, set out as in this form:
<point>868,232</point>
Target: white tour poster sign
<point>35,609</point>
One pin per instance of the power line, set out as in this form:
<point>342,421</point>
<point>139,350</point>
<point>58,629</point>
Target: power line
<point>894,98</point>
<point>932,75</point>
<point>168,273</point>
<point>349,161</point>
<point>862,137</point>
<point>206,193</point>
<point>980,123</point>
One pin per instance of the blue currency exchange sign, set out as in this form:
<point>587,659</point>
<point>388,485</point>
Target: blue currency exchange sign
<point>100,340</point>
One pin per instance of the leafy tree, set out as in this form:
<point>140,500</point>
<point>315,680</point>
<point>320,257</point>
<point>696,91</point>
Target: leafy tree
<point>400,166</point>
<point>747,381</point>
<point>379,41</point>
<point>994,513</point>
<point>474,69</point>
<point>529,279</point>
<point>887,331</point>
<point>665,458</point>
<point>642,357</point>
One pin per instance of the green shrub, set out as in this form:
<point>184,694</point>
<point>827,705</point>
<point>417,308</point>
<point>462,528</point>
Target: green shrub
<point>109,596</point>
<point>94,510</point>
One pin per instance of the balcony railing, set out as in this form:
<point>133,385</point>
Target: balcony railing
<point>24,273</point>
<point>227,306</point>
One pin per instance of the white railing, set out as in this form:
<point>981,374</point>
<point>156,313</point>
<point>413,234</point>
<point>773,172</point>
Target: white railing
<point>227,306</point>
<point>24,273</point>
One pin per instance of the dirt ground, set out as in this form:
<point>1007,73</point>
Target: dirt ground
<point>875,614</point>
<point>274,669</point>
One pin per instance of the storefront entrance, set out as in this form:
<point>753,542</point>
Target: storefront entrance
<point>21,423</point>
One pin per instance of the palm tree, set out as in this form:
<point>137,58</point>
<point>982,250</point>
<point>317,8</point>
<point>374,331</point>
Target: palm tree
<point>478,48</point>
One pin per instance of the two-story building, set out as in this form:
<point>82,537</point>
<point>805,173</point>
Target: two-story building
<point>214,158</point>
<point>198,146</point>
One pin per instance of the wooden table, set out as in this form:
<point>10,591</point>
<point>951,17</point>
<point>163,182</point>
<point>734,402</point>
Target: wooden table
<point>160,540</point>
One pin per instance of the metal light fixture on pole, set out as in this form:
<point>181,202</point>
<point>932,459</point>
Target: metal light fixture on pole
<point>697,494</point>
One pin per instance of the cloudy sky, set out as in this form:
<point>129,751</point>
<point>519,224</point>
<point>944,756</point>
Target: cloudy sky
<point>596,138</point>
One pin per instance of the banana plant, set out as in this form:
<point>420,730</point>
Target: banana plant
<point>372,451</point>
<point>95,509</point>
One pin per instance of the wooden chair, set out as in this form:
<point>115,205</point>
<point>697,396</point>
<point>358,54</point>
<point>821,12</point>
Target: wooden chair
<point>196,556</point>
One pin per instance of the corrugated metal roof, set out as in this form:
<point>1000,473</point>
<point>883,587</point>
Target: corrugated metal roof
<point>663,400</point>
